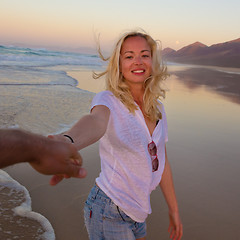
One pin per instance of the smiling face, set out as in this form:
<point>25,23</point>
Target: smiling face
<point>135,60</point>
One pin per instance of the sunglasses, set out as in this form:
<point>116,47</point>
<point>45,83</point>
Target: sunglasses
<point>152,149</point>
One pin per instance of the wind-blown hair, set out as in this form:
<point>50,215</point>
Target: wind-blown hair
<point>115,81</point>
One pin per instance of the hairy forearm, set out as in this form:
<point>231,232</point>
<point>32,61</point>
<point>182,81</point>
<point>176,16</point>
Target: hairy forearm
<point>17,146</point>
<point>167,188</point>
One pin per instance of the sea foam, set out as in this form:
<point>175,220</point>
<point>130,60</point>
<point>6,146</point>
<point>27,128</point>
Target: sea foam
<point>16,213</point>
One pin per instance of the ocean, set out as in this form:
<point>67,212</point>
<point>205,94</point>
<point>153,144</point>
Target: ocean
<point>36,94</point>
<point>46,92</point>
<point>27,74</point>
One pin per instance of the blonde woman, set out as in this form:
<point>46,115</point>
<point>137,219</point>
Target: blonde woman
<point>130,122</point>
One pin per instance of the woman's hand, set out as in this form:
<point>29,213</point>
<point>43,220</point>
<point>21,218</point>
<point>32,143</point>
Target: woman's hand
<point>62,159</point>
<point>175,228</point>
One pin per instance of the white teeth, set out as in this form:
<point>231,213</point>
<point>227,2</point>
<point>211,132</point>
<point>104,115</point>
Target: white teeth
<point>138,71</point>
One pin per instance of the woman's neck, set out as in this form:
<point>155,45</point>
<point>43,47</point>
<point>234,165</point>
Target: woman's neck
<point>137,94</point>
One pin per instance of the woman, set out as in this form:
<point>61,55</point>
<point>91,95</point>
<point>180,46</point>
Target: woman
<point>131,122</point>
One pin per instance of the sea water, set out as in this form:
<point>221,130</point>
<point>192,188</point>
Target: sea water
<point>36,94</point>
<point>37,79</point>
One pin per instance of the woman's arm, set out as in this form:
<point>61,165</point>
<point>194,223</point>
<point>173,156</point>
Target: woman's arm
<point>89,129</point>
<point>175,226</point>
<point>85,132</point>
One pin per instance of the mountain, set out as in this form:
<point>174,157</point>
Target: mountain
<point>196,48</point>
<point>168,51</point>
<point>225,54</point>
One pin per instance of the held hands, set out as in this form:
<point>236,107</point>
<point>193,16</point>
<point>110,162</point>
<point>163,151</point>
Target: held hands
<point>60,158</point>
<point>175,228</point>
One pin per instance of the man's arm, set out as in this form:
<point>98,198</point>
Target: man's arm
<point>18,146</point>
<point>45,155</point>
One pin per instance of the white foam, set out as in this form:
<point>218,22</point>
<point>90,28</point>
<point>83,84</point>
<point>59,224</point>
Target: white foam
<point>25,209</point>
<point>17,56</point>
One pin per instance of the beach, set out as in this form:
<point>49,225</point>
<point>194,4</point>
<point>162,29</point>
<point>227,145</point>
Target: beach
<point>203,150</point>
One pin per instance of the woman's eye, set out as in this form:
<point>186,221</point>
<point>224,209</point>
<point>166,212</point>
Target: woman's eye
<point>129,57</point>
<point>145,56</point>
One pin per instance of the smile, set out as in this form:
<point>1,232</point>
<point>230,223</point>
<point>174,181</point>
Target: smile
<point>138,71</point>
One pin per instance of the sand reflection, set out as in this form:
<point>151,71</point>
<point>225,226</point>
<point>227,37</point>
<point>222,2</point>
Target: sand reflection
<point>226,83</point>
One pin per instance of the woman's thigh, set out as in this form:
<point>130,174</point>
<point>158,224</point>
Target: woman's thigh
<point>104,220</point>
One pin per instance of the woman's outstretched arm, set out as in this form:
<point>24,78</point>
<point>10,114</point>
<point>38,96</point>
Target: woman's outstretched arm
<point>88,130</point>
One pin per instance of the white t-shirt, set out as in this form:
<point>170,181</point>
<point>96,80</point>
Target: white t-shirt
<point>126,166</point>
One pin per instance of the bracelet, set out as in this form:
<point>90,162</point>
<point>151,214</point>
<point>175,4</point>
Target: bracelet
<point>65,135</point>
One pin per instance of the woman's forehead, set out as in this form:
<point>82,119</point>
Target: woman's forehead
<point>135,43</point>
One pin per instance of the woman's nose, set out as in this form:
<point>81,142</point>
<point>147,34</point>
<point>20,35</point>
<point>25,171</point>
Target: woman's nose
<point>138,60</point>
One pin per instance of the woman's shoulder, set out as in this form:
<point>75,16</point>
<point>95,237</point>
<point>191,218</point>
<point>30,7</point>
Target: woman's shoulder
<point>105,93</point>
<point>103,98</point>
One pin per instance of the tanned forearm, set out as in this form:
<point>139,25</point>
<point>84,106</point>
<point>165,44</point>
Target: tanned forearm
<point>90,128</point>
<point>17,146</point>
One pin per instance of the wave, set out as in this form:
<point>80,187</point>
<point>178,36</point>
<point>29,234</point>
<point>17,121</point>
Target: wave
<point>19,56</point>
<point>16,204</point>
<point>25,75</point>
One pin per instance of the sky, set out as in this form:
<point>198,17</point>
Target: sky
<point>74,24</point>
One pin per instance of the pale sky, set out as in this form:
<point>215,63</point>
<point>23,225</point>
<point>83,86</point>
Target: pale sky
<point>71,24</point>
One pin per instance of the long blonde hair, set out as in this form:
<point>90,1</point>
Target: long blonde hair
<point>153,85</point>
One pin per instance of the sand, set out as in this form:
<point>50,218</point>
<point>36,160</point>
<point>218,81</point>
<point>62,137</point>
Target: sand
<point>203,152</point>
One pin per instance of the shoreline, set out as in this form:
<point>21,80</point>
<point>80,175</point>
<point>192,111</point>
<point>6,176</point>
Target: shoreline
<point>85,80</point>
<point>16,207</point>
<point>45,110</point>
<point>235,70</point>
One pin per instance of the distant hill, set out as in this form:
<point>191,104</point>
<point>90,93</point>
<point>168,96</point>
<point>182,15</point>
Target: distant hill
<point>225,54</point>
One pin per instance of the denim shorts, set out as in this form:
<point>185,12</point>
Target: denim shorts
<point>106,221</point>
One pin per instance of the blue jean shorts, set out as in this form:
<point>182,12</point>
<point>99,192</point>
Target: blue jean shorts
<point>106,221</point>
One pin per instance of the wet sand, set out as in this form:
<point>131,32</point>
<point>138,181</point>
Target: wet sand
<point>203,150</point>
<point>12,202</point>
<point>225,82</point>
